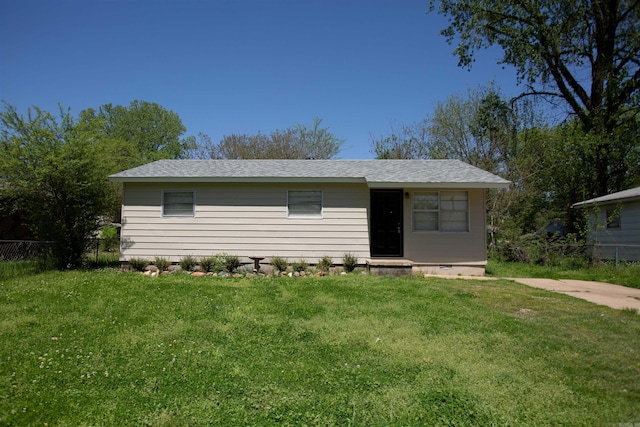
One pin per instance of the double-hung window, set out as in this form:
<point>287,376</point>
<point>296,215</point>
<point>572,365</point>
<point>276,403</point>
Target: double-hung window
<point>613,218</point>
<point>306,204</point>
<point>178,203</point>
<point>441,211</point>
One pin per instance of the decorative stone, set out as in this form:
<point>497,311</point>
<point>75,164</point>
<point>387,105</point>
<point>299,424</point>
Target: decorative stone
<point>174,267</point>
<point>151,268</point>
<point>198,274</point>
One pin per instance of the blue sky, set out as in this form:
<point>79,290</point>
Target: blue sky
<point>240,66</point>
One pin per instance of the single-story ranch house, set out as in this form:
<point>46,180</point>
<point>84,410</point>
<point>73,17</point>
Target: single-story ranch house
<point>423,215</point>
<point>614,224</point>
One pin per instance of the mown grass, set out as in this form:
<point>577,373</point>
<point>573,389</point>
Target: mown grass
<point>17,269</point>
<point>110,348</point>
<point>625,274</point>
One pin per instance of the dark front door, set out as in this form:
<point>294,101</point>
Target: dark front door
<point>386,223</point>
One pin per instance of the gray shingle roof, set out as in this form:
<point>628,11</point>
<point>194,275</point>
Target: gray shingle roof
<point>376,173</point>
<point>632,193</point>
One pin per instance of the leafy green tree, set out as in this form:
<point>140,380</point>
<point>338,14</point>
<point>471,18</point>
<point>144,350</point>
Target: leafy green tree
<point>140,133</point>
<point>478,128</point>
<point>136,134</point>
<point>298,142</point>
<point>54,172</point>
<point>585,53</point>
<point>403,142</point>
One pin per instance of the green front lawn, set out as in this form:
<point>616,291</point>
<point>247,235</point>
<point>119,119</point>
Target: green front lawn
<point>625,274</point>
<point>110,348</point>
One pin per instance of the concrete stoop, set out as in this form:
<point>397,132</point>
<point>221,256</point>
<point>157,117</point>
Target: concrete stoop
<point>389,267</point>
<point>402,267</point>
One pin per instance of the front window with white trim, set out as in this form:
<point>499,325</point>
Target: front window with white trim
<point>441,211</point>
<point>178,203</point>
<point>306,204</point>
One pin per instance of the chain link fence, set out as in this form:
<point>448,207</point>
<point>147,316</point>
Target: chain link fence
<point>617,253</point>
<point>553,252</point>
<point>97,250</point>
<point>103,251</point>
<point>23,250</point>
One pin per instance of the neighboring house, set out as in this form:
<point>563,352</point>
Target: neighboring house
<point>614,223</point>
<point>420,214</point>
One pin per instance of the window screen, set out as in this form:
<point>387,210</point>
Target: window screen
<point>425,211</point>
<point>304,204</point>
<point>177,203</point>
<point>454,210</point>
<point>440,211</point>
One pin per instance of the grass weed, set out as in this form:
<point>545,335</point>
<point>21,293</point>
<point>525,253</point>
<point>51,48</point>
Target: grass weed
<point>17,269</point>
<point>113,348</point>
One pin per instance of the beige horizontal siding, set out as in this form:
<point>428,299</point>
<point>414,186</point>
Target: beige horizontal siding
<point>267,215</point>
<point>448,247</point>
<point>251,219</point>
<point>257,234</point>
<point>245,220</point>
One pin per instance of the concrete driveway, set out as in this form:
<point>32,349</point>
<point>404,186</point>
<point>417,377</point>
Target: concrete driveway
<point>614,296</point>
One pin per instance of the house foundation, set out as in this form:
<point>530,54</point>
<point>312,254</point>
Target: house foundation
<point>402,267</point>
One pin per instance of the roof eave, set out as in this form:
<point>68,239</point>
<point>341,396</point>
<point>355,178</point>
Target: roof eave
<point>192,179</point>
<point>330,180</point>
<point>593,202</point>
<point>496,185</point>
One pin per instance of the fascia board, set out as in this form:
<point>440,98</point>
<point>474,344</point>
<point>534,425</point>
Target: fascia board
<point>338,180</point>
<point>592,202</point>
<point>496,185</point>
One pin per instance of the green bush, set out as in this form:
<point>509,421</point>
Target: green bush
<point>350,262</point>
<point>279,263</point>
<point>138,264</point>
<point>325,263</point>
<point>220,262</point>
<point>542,250</point>
<point>232,262</point>
<point>188,262</point>
<point>300,265</point>
<point>109,237</point>
<point>207,264</point>
<point>162,263</point>
<point>109,232</point>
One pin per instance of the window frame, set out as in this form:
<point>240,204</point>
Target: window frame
<point>174,215</point>
<point>414,210</point>
<point>612,218</point>
<point>295,215</point>
<point>440,212</point>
